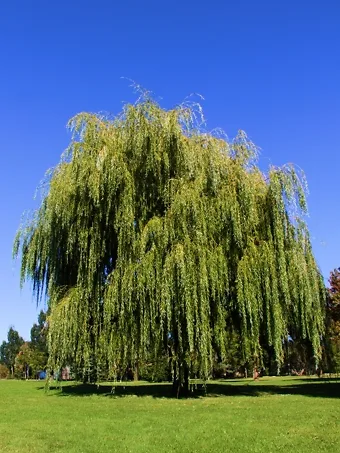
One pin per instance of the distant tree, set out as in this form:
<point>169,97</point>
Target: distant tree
<point>9,350</point>
<point>155,235</point>
<point>298,357</point>
<point>332,336</point>
<point>38,361</point>
<point>233,363</point>
<point>3,353</point>
<point>39,334</point>
<point>23,361</point>
<point>334,295</point>
<point>38,344</point>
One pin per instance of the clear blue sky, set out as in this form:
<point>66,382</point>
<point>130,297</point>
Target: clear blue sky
<point>271,68</point>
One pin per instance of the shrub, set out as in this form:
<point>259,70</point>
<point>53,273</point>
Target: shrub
<point>4,372</point>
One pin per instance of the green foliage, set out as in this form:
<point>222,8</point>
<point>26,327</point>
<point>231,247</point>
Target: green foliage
<point>233,364</point>
<point>29,361</point>
<point>3,352</point>
<point>38,361</point>
<point>38,344</point>
<point>157,237</point>
<point>23,360</point>
<point>156,369</point>
<point>10,349</point>
<point>39,333</point>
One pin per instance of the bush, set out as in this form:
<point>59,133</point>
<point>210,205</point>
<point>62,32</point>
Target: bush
<point>4,372</point>
<point>157,370</point>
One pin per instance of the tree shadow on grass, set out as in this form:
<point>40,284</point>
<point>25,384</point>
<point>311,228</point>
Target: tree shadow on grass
<point>319,388</point>
<point>156,390</point>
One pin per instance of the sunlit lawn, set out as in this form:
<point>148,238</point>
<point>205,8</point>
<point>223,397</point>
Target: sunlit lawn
<point>272,415</point>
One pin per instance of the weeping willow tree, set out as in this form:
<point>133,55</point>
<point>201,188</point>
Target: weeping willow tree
<point>154,237</point>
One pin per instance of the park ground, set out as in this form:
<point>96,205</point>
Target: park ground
<point>274,414</point>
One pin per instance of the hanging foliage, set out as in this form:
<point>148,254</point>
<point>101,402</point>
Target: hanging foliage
<point>156,236</point>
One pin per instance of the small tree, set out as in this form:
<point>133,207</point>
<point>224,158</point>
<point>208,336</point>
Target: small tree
<point>23,361</point>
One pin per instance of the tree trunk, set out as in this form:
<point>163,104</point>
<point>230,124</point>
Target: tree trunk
<point>174,379</point>
<point>186,389</point>
<point>180,383</point>
<point>136,372</point>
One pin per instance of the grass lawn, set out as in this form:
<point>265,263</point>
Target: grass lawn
<point>273,415</point>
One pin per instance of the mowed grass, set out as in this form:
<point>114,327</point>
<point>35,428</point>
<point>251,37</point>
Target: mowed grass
<point>273,415</point>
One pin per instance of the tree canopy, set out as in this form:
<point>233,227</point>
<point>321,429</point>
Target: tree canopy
<point>10,348</point>
<point>332,340</point>
<point>155,235</point>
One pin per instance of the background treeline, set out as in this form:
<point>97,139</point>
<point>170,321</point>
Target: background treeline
<point>25,359</point>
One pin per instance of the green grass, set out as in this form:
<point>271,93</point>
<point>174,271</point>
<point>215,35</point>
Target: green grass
<point>272,415</point>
